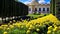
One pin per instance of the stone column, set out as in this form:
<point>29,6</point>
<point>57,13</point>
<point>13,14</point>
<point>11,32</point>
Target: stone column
<point>33,9</point>
<point>41,10</point>
<point>45,10</point>
<point>49,10</point>
<point>37,9</point>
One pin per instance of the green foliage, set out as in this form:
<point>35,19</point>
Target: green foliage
<point>35,16</point>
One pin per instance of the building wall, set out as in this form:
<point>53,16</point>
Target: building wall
<point>39,6</point>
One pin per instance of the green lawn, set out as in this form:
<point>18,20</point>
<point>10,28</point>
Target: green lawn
<point>36,15</point>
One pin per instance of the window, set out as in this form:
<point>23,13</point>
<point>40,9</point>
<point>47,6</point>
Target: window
<point>43,9</point>
<point>39,9</point>
<point>35,9</point>
<point>29,9</point>
<point>47,9</point>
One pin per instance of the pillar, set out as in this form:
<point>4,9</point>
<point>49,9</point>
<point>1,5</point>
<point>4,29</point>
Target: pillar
<point>33,9</point>
<point>55,8</point>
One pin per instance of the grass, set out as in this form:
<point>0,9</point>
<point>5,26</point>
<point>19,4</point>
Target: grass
<point>36,15</point>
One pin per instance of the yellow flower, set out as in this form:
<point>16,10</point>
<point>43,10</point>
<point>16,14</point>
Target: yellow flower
<point>8,28</point>
<point>55,29</point>
<point>5,33</point>
<point>30,28</point>
<point>1,27</point>
<point>18,25</point>
<point>37,29</point>
<point>14,20</point>
<point>37,25</point>
<point>22,26</point>
<point>28,31</point>
<point>49,32</point>
<point>4,25</point>
<point>59,27</point>
<point>11,26</point>
<point>10,22</point>
<point>49,28</point>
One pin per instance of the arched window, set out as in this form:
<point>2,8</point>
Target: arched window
<point>43,9</point>
<point>35,9</point>
<point>47,9</point>
<point>39,9</point>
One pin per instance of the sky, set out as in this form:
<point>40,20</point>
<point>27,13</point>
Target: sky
<point>40,1</point>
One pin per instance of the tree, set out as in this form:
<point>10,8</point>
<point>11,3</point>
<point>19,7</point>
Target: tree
<point>16,0</point>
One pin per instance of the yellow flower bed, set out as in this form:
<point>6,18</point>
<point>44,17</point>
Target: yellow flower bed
<point>33,26</point>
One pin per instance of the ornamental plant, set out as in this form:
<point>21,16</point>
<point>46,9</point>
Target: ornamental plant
<point>45,25</point>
